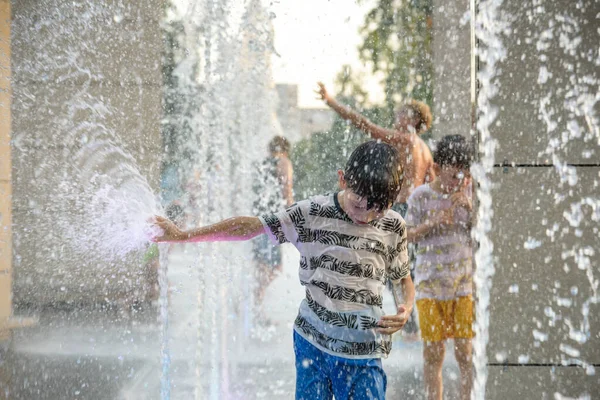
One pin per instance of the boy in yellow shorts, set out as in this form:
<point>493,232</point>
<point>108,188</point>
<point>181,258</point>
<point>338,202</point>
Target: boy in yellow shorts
<point>439,220</point>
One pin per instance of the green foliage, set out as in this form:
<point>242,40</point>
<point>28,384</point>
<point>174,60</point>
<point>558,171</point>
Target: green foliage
<point>349,86</point>
<point>317,159</point>
<point>397,42</point>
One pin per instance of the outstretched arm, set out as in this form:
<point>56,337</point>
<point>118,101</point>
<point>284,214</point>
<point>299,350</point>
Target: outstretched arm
<point>232,229</point>
<point>359,121</point>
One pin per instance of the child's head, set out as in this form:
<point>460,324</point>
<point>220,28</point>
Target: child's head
<point>279,144</point>
<point>452,159</point>
<point>372,179</point>
<point>414,116</point>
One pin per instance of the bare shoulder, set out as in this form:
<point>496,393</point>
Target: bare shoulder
<point>421,143</point>
<point>284,162</point>
<point>424,150</point>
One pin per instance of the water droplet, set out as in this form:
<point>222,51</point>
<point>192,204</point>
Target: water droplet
<point>523,359</point>
<point>574,291</point>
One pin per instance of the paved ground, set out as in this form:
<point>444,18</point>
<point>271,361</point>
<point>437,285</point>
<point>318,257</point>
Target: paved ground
<point>106,354</point>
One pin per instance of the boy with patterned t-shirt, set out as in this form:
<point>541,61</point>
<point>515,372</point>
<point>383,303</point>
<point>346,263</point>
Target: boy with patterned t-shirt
<point>350,243</point>
<point>439,221</point>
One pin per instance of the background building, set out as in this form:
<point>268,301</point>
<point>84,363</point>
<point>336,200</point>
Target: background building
<point>299,123</point>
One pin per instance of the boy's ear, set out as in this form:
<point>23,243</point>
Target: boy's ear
<point>341,180</point>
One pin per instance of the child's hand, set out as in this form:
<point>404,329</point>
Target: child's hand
<point>171,232</point>
<point>444,218</point>
<point>390,324</point>
<point>322,92</point>
<point>460,199</point>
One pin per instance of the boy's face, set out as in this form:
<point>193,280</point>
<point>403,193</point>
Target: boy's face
<point>453,179</point>
<point>356,206</point>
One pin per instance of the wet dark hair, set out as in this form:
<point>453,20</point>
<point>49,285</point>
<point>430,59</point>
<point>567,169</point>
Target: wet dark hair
<point>453,150</point>
<point>375,173</point>
<point>279,144</point>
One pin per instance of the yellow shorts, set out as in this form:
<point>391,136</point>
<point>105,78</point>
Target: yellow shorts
<point>446,319</point>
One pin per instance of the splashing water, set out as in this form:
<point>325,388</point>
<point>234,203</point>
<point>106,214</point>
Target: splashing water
<point>95,199</point>
<point>103,203</point>
<point>165,353</point>
<point>111,203</point>
<point>579,97</point>
<point>229,79</point>
<point>489,26</point>
<point>566,98</point>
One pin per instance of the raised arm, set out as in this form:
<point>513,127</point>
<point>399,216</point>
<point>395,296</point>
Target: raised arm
<point>359,121</point>
<point>232,229</point>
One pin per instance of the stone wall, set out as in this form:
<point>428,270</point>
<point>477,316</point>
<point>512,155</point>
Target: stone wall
<point>452,69</point>
<point>106,57</point>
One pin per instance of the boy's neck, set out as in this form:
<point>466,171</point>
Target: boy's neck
<point>341,200</point>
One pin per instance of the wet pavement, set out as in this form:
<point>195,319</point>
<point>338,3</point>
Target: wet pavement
<point>113,354</point>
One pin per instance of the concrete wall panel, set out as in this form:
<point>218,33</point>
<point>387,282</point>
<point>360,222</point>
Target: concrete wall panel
<point>53,116</point>
<point>541,383</point>
<point>83,71</point>
<point>109,41</point>
<point>551,70</point>
<point>544,265</point>
<point>452,75</point>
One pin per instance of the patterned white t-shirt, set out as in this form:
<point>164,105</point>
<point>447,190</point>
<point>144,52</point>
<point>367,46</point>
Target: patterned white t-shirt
<point>344,267</point>
<point>444,266</point>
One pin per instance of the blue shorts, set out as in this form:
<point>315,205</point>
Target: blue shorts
<point>320,376</point>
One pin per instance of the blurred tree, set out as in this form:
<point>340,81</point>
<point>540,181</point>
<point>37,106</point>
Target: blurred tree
<point>397,44</point>
<point>316,159</point>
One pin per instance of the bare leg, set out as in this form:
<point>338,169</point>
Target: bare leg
<point>433,354</point>
<point>463,351</point>
<point>259,290</point>
<point>265,274</point>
